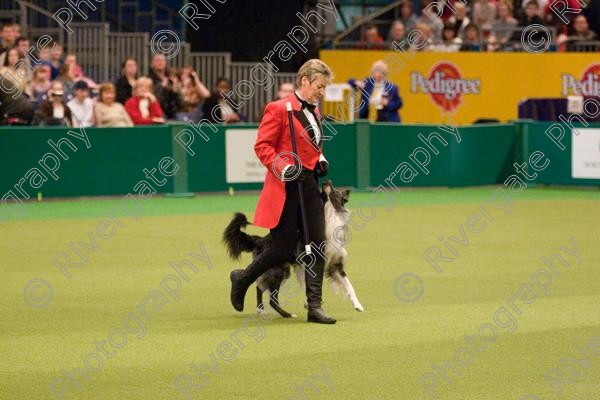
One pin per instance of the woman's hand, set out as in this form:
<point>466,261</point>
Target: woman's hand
<point>151,97</point>
<point>234,117</point>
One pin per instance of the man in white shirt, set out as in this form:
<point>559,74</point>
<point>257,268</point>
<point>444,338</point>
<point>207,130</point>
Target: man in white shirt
<point>82,106</point>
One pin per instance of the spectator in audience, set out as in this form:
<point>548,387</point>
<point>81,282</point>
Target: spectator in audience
<point>143,107</point>
<point>460,20</point>
<point>397,35</point>
<point>407,15</point>
<point>555,18</point>
<point>450,43</point>
<point>425,33</point>
<point>503,27</point>
<point>165,85</point>
<point>531,15</point>
<point>285,89</point>
<point>7,37</point>
<point>380,98</point>
<point>193,92</point>
<point>44,55</point>
<point>542,4</point>
<point>429,18</point>
<point>108,112</point>
<point>15,108</point>
<point>17,30</point>
<point>53,110</point>
<point>579,33</point>
<point>17,71</point>
<point>471,38</point>
<point>592,13</point>
<point>71,59</point>
<point>24,45</point>
<point>39,85</point>
<point>125,83</point>
<point>190,78</point>
<point>81,105</point>
<point>581,30</point>
<point>528,18</point>
<point>216,109</point>
<point>54,60</point>
<point>78,73</point>
<point>448,8</point>
<point>371,38</point>
<point>188,74</point>
<point>484,13</point>
<point>67,78</point>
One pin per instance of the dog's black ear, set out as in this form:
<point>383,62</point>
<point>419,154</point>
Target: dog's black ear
<point>324,197</point>
<point>345,196</point>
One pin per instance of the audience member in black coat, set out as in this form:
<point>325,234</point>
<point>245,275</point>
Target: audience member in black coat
<point>528,18</point>
<point>124,85</point>
<point>166,86</point>
<point>531,15</point>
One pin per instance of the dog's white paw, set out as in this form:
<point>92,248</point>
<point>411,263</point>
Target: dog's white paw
<point>359,308</point>
<point>294,316</point>
<point>261,311</point>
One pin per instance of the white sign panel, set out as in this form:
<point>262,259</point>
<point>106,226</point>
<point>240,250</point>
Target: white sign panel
<point>242,165</point>
<point>585,154</point>
<point>335,91</point>
<point>575,104</point>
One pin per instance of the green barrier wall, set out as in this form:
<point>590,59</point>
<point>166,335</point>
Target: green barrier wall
<point>112,165</point>
<point>471,155</point>
<point>360,155</point>
<point>534,138</point>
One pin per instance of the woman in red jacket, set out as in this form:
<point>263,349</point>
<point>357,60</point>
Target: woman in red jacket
<point>143,108</point>
<point>278,207</point>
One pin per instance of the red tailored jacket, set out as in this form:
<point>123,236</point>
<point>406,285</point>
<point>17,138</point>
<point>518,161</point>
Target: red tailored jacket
<point>272,143</point>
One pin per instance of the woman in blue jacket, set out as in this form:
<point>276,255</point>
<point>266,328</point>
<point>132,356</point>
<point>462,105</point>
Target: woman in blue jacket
<point>380,99</point>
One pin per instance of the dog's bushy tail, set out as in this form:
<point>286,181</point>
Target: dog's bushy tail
<point>235,240</point>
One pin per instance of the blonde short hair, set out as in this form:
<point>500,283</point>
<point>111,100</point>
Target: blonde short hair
<point>380,65</point>
<point>311,69</point>
<point>143,81</point>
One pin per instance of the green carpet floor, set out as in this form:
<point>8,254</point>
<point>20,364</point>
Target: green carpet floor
<point>150,333</point>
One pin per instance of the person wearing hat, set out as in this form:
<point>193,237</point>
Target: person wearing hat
<point>53,110</point>
<point>81,105</point>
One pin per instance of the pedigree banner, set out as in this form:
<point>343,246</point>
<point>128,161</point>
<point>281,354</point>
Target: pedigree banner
<point>468,86</point>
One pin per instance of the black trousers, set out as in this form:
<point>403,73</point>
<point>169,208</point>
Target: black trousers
<point>289,232</point>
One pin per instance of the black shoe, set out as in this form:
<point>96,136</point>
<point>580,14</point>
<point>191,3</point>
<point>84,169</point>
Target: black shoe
<point>238,289</point>
<point>318,316</point>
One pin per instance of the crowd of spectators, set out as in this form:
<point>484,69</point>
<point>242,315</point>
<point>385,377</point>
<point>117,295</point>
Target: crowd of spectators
<point>51,88</point>
<point>485,25</point>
